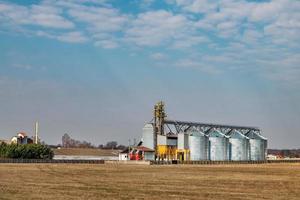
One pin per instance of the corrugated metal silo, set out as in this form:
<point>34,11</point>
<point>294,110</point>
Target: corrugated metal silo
<point>218,146</point>
<point>148,136</point>
<point>238,146</point>
<point>258,146</point>
<point>198,143</point>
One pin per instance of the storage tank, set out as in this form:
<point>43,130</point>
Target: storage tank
<point>258,146</point>
<point>148,136</point>
<point>238,146</point>
<point>198,143</point>
<point>218,146</point>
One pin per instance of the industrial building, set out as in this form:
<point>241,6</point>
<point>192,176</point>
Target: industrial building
<point>180,140</point>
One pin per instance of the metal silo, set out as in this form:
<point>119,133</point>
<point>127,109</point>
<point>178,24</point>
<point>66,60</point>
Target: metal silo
<point>198,143</point>
<point>258,146</point>
<point>218,146</point>
<point>238,146</point>
<point>148,136</point>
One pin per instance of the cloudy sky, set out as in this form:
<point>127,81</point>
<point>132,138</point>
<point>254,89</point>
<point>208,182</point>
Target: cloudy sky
<point>95,68</point>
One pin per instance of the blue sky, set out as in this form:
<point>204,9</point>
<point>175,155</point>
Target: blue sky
<point>94,68</point>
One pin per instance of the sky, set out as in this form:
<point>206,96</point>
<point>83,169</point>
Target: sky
<point>95,68</point>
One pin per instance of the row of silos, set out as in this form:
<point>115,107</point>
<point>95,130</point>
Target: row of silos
<point>217,146</point>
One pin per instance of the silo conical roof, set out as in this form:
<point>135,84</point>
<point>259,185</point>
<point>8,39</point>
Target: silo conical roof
<point>237,135</point>
<point>216,133</point>
<point>255,135</point>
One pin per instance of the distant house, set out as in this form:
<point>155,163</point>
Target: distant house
<point>21,138</point>
<point>271,157</point>
<point>124,155</point>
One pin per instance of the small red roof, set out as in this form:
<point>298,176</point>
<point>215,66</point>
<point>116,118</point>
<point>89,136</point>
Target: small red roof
<point>22,133</point>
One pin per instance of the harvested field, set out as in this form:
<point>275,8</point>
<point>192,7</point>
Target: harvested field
<point>86,152</point>
<point>82,181</point>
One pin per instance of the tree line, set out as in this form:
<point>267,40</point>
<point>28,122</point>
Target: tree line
<point>25,151</point>
<point>291,153</point>
<point>68,142</point>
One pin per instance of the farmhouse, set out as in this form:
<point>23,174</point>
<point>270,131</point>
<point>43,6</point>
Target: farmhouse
<point>21,138</point>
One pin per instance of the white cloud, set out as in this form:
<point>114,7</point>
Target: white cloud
<point>277,18</point>
<point>73,37</point>
<point>107,44</point>
<point>48,16</point>
<point>268,10</point>
<point>196,6</point>
<point>285,29</point>
<point>188,41</point>
<point>156,28</point>
<point>199,6</point>
<point>101,23</point>
<point>251,36</point>
<point>99,19</point>
<point>195,64</point>
<point>39,15</point>
<point>90,1</point>
<point>70,37</point>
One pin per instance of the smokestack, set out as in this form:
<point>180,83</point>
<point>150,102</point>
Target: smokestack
<point>36,132</point>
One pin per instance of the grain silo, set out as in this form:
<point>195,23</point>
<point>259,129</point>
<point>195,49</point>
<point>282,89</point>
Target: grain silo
<point>148,136</point>
<point>238,146</point>
<point>258,146</point>
<point>218,146</point>
<point>198,144</point>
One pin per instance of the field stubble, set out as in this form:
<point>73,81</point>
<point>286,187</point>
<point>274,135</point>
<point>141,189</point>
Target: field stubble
<point>87,181</point>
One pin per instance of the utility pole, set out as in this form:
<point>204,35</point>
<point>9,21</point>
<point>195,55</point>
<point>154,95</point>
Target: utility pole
<point>129,149</point>
<point>36,128</point>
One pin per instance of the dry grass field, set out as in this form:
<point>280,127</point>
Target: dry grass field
<point>81,181</point>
